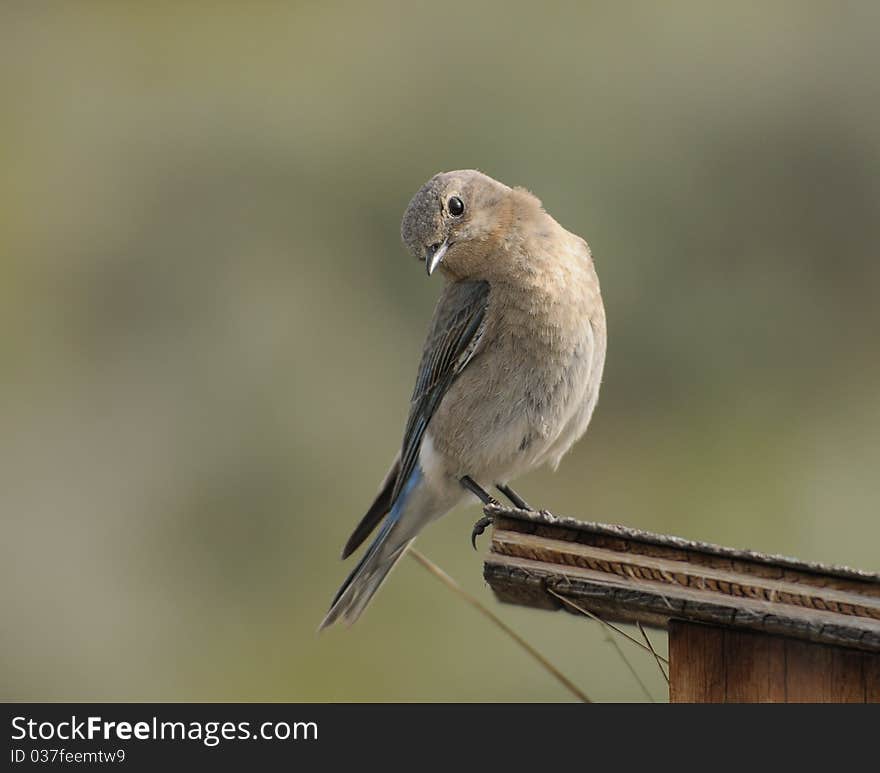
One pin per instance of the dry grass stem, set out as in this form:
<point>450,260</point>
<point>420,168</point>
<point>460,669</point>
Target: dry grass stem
<point>428,564</point>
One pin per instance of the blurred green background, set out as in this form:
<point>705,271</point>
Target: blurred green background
<point>211,329</point>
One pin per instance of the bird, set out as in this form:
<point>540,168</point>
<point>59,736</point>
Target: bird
<point>510,372</point>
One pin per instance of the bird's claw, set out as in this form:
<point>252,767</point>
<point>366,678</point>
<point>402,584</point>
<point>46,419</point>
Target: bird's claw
<point>480,527</point>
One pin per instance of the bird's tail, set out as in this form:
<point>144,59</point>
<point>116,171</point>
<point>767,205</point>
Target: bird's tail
<point>362,584</point>
<point>365,579</point>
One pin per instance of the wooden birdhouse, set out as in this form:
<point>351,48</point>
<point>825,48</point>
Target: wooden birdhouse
<point>742,626</point>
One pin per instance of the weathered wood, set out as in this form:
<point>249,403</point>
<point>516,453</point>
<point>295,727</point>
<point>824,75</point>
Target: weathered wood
<point>696,674</point>
<point>871,670</point>
<point>709,664</point>
<point>753,664</point>
<point>629,575</point>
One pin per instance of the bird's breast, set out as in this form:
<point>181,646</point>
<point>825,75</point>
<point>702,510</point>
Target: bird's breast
<point>522,387</point>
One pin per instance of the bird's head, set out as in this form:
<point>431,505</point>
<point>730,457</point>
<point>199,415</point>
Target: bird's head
<point>457,220</point>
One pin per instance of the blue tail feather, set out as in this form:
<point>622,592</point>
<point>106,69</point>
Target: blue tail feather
<point>367,575</point>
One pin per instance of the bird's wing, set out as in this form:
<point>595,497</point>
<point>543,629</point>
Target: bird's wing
<point>452,340</point>
<point>381,505</point>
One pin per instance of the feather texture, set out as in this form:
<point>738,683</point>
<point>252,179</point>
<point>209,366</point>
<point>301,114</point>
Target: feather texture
<point>452,340</point>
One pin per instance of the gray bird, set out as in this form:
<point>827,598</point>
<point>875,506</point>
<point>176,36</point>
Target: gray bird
<point>510,371</point>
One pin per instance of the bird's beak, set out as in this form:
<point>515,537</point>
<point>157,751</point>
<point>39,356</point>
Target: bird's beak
<point>434,254</point>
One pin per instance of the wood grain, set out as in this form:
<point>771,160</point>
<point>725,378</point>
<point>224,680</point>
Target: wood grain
<point>627,575</point>
<point>709,664</point>
<point>696,664</point>
<point>871,669</point>
<point>754,667</point>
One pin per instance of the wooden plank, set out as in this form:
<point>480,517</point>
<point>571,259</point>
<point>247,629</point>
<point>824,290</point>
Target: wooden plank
<point>623,574</point>
<point>624,538</point>
<point>631,600</point>
<point>871,671</point>
<point>696,663</point>
<point>710,664</point>
<point>791,589</point>
<point>822,674</point>
<point>755,667</point>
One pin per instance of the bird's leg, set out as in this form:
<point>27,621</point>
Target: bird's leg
<point>487,499</point>
<point>478,491</point>
<point>515,498</point>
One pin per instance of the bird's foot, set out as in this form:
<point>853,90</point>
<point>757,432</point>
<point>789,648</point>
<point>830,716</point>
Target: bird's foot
<point>480,527</point>
<point>488,501</point>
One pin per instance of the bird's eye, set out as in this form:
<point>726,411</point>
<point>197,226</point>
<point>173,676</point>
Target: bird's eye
<point>456,206</point>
